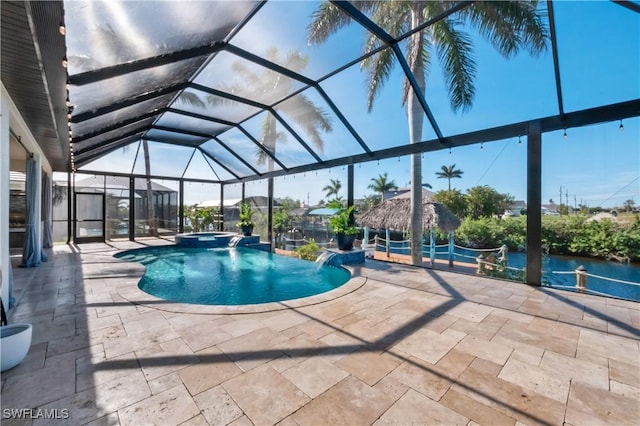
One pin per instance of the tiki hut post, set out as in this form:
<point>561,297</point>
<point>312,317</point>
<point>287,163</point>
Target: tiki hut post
<point>365,237</point>
<point>388,242</point>
<point>432,246</point>
<point>451,242</point>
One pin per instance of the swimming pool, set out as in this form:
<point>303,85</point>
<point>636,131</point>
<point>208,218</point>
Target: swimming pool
<point>230,276</point>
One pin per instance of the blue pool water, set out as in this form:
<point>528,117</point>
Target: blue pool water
<point>230,276</point>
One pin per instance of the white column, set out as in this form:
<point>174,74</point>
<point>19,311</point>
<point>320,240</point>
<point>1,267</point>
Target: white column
<point>38,205</point>
<point>5,260</point>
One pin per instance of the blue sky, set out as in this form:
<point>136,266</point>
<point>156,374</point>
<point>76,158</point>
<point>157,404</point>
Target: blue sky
<point>599,54</point>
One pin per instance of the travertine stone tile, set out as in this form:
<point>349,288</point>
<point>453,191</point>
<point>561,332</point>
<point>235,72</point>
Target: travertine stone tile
<point>608,346</point>
<point>94,370</point>
<point>625,390</point>
<point>264,395</point>
<point>314,329</point>
<point>198,420</point>
<point>508,398</point>
<point>428,345</point>
<point>244,421</point>
<point>368,366</point>
<point>489,350</point>
<point>172,406</point>
<point>203,335</point>
<point>314,376</point>
<point>123,344</point>
<point>241,326</point>
<point>256,344</point>
<point>110,419</point>
<point>104,399</point>
<point>513,315</point>
<point>415,408</point>
<point>93,324</point>
<point>301,345</point>
<point>576,370</point>
<point>217,407</point>
<point>624,373</point>
<point>350,402</point>
<point>423,377</point>
<point>165,358</point>
<point>40,386</point>
<point>285,319</point>
<point>392,387</point>
<point>284,362</point>
<point>144,323</point>
<point>454,363</point>
<point>541,339</point>
<point>214,368</point>
<point>471,311</point>
<point>474,410</point>
<point>596,406</point>
<point>536,380</point>
<point>163,383</point>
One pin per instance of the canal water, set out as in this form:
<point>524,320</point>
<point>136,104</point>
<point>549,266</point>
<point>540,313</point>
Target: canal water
<point>553,267</point>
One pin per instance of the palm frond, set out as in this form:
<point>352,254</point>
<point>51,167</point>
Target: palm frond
<point>378,68</point>
<point>510,26</point>
<point>455,51</point>
<point>326,20</point>
<point>296,61</point>
<point>313,119</point>
<point>192,99</point>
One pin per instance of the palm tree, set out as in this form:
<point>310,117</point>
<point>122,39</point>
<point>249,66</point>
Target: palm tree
<point>509,26</point>
<point>269,88</point>
<point>333,188</point>
<point>628,205</point>
<point>449,173</point>
<point>381,184</point>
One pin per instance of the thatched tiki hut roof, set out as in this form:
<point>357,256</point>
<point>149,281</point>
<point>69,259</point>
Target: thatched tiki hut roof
<point>396,214</point>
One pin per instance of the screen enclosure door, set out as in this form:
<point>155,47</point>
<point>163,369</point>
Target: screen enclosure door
<point>89,217</point>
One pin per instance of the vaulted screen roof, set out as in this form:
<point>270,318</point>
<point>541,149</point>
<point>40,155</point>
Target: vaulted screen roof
<point>203,81</point>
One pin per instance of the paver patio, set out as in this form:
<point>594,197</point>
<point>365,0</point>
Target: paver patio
<point>410,346</point>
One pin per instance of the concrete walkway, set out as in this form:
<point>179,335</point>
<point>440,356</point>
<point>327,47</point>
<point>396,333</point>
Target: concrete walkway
<point>410,346</point>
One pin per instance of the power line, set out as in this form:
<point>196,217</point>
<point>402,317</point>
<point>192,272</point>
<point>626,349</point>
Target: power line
<point>493,162</point>
<point>619,191</point>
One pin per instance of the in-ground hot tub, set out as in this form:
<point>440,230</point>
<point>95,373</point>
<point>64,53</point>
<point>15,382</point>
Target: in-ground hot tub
<point>204,239</point>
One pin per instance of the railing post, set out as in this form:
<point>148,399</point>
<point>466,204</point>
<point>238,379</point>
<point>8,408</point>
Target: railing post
<point>432,246</point>
<point>375,245</point>
<point>451,249</point>
<point>481,264</point>
<point>503,256</point>
<point>388,242</point>
<point>581,278</point>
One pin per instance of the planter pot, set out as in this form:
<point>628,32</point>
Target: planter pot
<point>246,230</point>
<point>16,340</point>
<point>345,242</point>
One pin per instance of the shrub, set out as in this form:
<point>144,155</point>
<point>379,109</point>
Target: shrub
<point>308,251</point>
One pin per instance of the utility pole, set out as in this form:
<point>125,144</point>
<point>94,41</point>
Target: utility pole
<point>559,209</point>
<point>567,198</point>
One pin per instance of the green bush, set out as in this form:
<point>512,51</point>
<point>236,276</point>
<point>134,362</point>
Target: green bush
<point>308,251</point>
<point>570,235</point>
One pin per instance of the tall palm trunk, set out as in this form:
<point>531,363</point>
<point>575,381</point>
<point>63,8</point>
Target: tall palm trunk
<point>416,117</point>
<point>270,137</point>
<point>151,211</point>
